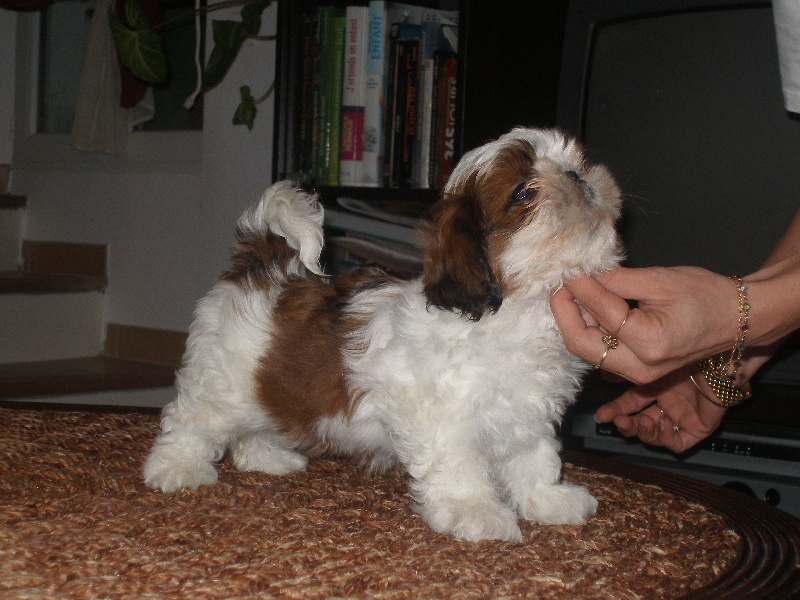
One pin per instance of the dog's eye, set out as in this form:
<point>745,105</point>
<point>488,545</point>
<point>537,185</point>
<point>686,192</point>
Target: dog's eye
<point>521,194</point>
<point>573,175</point>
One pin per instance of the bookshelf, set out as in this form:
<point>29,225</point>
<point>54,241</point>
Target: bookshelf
<point>506,67</point>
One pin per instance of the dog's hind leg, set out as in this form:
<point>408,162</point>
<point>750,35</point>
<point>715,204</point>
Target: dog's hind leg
<point>183,456</point>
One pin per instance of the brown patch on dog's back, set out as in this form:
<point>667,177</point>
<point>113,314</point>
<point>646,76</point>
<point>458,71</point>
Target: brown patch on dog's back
<point>253,254</point>
<point>302,376</point>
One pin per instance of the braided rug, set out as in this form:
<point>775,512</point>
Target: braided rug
<point>76,521</point>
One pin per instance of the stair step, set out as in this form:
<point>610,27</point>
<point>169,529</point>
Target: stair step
<point>13,201</point>
<point>50,326</point>
<point>23,282</point>
<point>81,376</point>
<point>64,258</point>
<point>12,218</point>
<point>53,309</point>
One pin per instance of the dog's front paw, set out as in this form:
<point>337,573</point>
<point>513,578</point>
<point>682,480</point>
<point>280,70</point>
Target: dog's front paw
<point>170,469</point>
<point>562,504</point>
<point>472,520</point>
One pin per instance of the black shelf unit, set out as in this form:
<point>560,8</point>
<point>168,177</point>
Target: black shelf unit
<point>508,64</point>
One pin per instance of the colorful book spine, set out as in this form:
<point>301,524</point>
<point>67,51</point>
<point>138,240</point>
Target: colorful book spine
<point>409,51</point>
<point>445,127</point>
<point>337,64</point>
<point>351,159</point>
<point>327,118</point>
<point>404,46</point>
<point>374,101</point>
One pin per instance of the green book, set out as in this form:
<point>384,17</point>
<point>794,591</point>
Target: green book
<point>337,82</point>
<point>330,35</point>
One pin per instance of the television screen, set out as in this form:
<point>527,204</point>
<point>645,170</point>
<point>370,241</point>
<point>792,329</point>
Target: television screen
<point>685,106</point>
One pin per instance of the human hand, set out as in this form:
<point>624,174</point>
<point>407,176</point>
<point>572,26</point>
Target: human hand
<point>670,412</point>
<point>683,314</point>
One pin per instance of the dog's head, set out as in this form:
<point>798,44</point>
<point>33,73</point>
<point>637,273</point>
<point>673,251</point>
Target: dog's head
<point>521,213</point>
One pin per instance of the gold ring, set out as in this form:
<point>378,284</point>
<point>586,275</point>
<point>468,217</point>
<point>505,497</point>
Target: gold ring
<point>625,320</point>
<point>600,364</point>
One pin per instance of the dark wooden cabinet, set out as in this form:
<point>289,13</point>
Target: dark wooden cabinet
<point>508,58</point>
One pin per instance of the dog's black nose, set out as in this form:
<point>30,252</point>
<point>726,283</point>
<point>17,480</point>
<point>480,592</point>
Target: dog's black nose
<point>573,175</point>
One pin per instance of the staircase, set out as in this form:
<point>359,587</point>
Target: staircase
<point>53,343</point>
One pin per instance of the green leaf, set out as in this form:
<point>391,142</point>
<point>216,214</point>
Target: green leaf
<point>251,16</point>
<point>246,111</point>
<point>138,46</point>
<point>228,37</point>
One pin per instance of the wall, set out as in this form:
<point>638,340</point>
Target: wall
<point>169,210</point>
<point>8,25</point>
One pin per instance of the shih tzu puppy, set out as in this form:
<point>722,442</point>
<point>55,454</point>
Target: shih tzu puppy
<point>459,376</point>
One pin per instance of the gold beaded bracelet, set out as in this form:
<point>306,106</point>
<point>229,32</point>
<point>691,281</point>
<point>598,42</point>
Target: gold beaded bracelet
<point>717,370</point>
<point>721,384</point>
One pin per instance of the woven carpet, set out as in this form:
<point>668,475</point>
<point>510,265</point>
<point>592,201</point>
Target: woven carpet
<point>76,521</point>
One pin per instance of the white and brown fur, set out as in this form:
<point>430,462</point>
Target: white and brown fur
<point>460,376</point>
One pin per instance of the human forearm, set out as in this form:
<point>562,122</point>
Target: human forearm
<point>774,294</point>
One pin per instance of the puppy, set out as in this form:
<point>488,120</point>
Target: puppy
<point>460,376</point>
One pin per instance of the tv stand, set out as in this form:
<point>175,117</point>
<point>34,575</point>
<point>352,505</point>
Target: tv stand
<point>756,450</point>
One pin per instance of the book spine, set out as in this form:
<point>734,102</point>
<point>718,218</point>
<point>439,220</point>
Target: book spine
<point>391,108</point>
<point>425,138</point>
<point>446,126</point>
<point>351,160</point>
<point>407,125</point>
<point>326,96</point>
<point>374,101</point>
<point>337,66</point>
<point>305,143</point>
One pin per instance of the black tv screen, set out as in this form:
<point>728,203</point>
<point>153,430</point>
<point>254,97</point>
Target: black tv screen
<point>682,99</point>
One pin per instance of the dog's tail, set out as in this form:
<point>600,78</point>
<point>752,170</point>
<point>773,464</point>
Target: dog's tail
<point>290,213</point>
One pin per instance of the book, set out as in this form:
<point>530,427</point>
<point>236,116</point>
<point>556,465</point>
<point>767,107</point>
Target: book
<point>400,12</point>
<point>337,67</point>
<point>422,177</point>
<point>374,101</point>
<point>351,159</point>
<point>404,50</point>
<point>408,111</point>
<point>413,100</point>
<point>327,117</point>
<point>444,126</point>
<point>304,148</point>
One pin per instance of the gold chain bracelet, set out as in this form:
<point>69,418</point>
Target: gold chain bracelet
<point>721,373</point>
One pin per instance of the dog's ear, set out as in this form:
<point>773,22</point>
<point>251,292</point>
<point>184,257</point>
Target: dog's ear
<point>457,274</point>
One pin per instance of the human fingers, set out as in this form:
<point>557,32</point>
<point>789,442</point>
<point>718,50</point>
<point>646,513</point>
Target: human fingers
<point>631,402</point>
<point>605,306</point>
<point>681,415</point>
<point>571,320</point>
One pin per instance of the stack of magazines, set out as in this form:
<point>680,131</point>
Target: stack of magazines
<point>381,233</point>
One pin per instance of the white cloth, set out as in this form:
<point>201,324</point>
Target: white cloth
<point>787,28</point>
<point>101,124</point>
